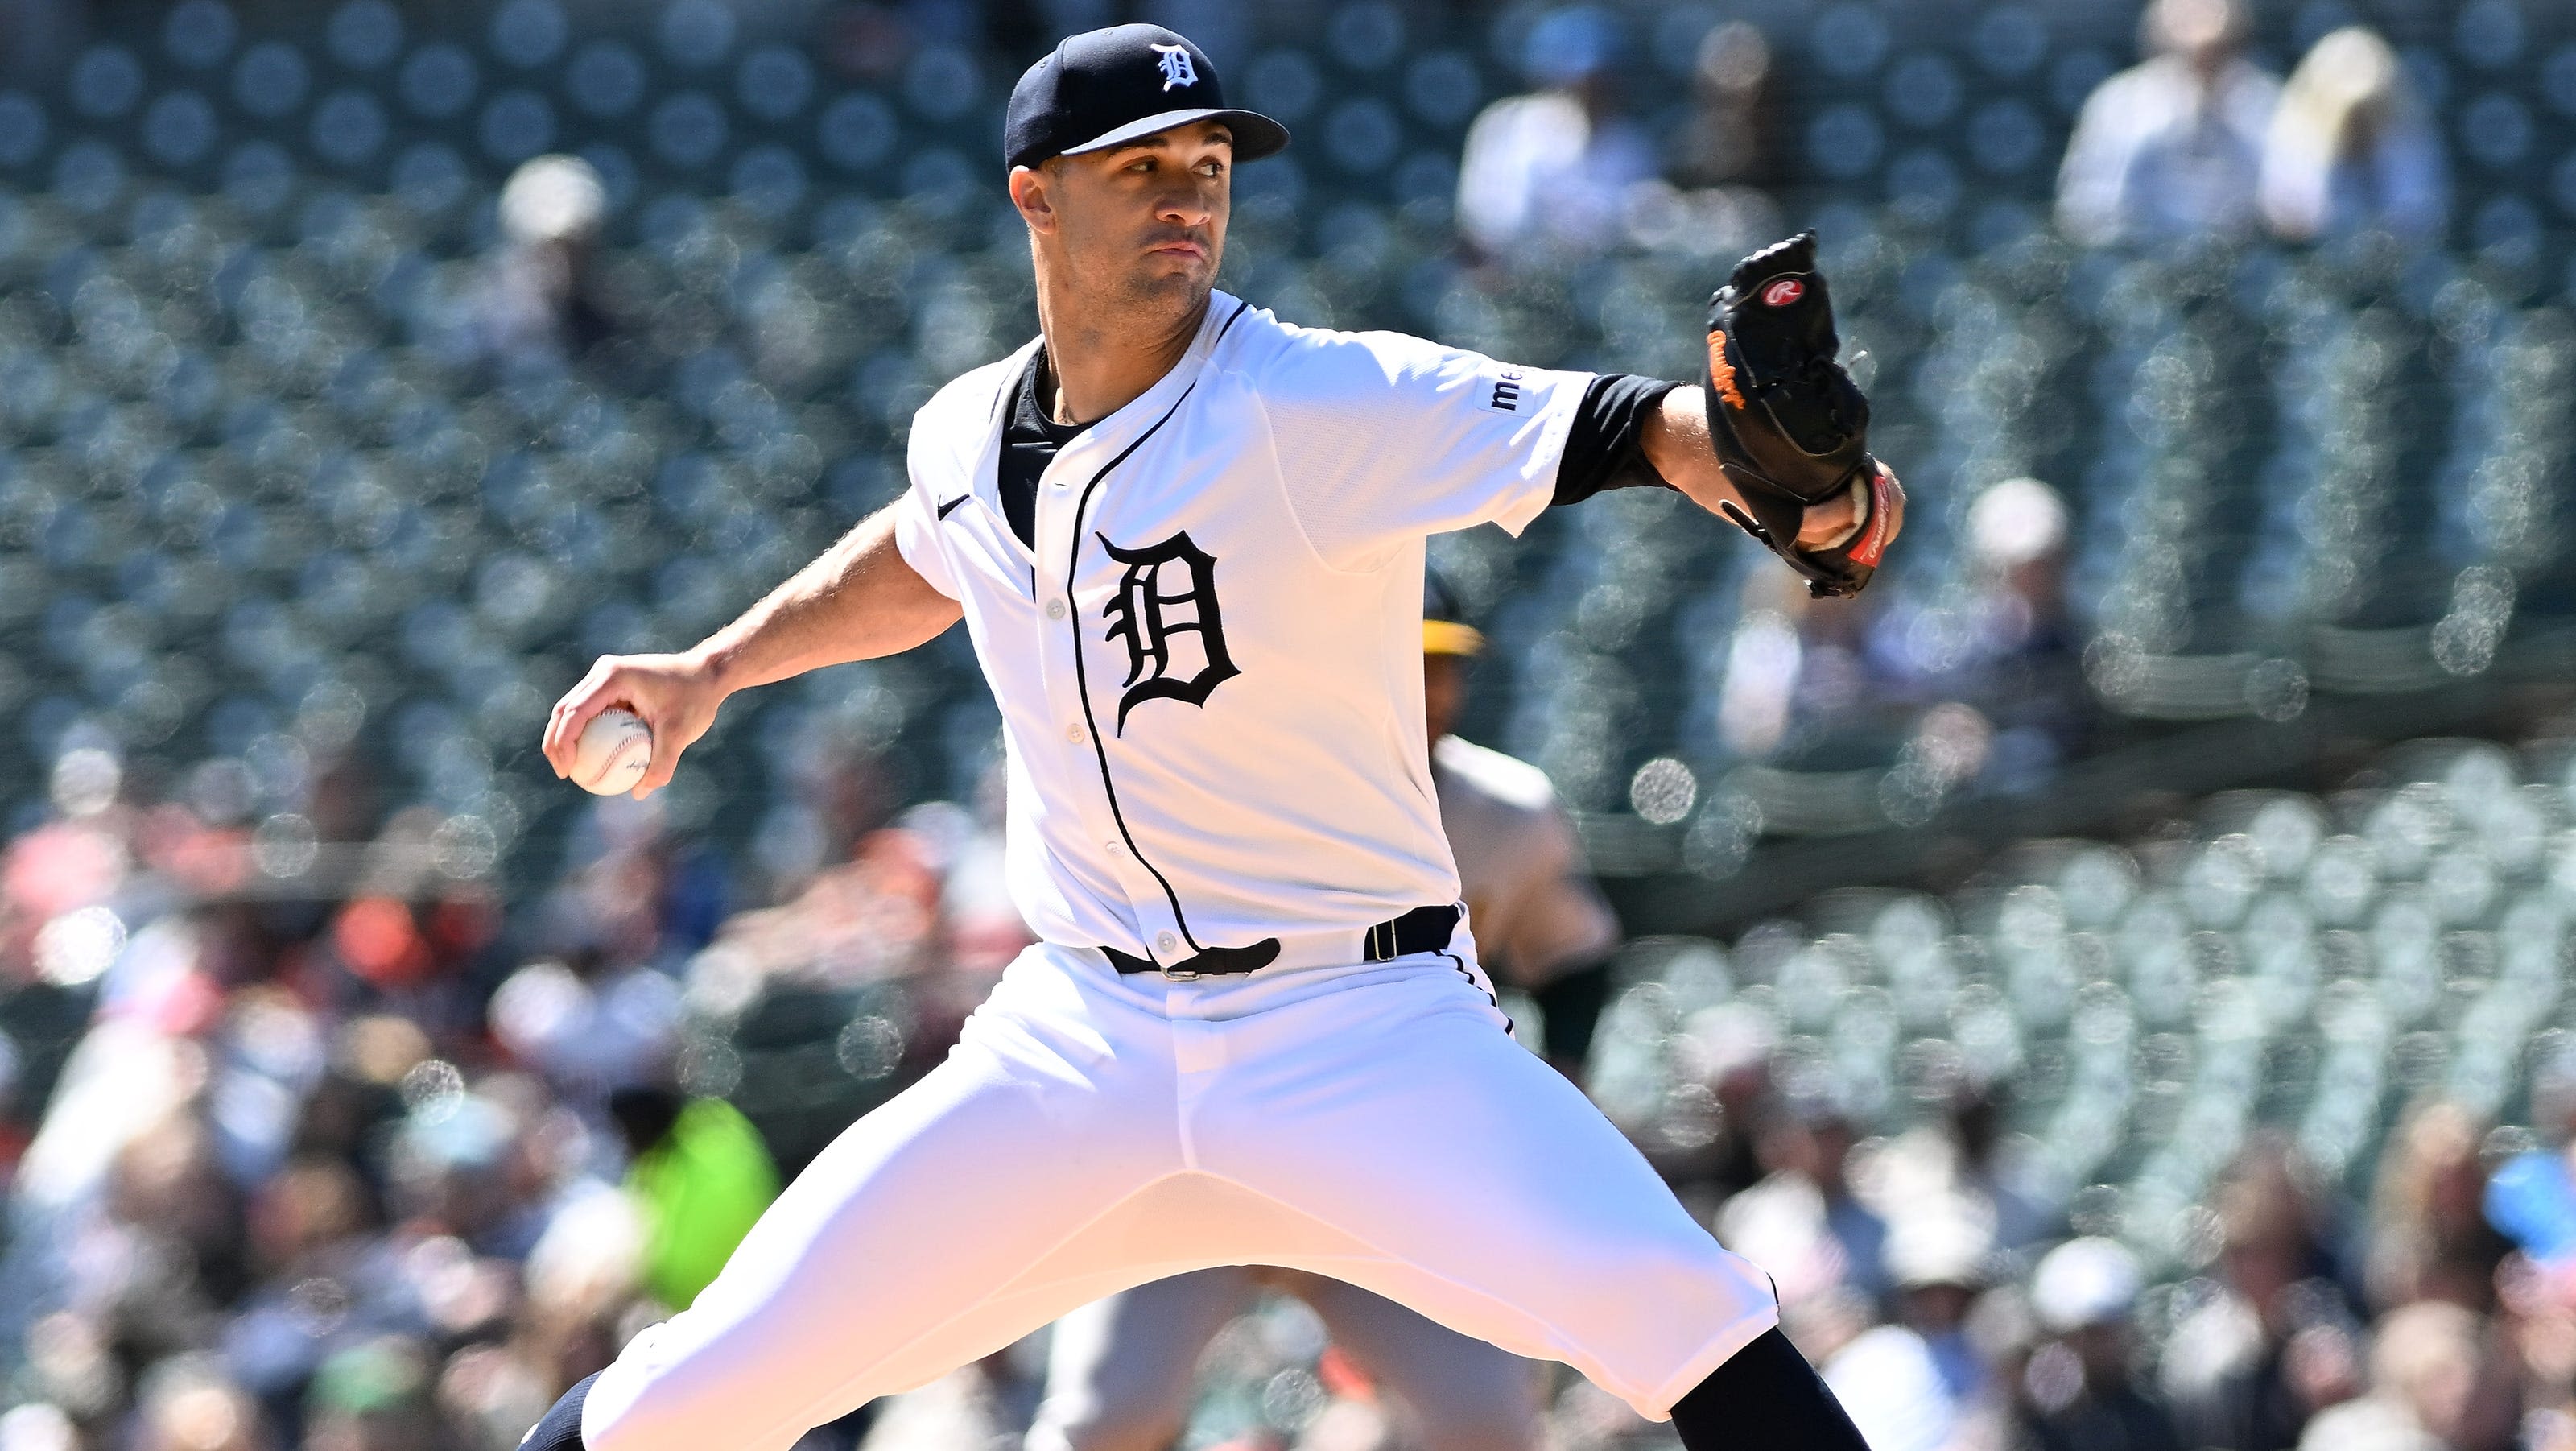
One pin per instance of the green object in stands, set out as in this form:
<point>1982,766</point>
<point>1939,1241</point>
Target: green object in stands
<point>701,1188</point>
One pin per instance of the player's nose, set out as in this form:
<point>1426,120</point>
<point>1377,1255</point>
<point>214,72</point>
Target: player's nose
<point>1183,207</point>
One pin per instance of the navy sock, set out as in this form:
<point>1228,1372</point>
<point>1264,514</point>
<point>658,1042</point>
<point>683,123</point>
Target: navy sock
<point>560,1429</point>
<point>1767,1398</point>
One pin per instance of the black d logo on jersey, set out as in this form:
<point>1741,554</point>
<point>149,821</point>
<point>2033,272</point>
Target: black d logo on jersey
<point>1150,616</point>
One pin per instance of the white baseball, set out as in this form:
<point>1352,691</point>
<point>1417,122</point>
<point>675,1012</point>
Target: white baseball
<point>612,753</point>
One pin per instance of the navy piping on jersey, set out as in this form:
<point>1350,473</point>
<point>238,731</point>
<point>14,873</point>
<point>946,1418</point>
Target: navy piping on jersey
<point>1081,680</point>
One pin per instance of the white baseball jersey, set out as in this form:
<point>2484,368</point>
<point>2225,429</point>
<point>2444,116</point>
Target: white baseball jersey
<point>1210,666</point>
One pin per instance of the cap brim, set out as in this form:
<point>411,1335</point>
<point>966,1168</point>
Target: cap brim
<point>1449,637</point>
<point>1255,135</point>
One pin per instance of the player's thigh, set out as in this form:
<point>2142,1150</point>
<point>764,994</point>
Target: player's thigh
<point>1120,1369</point>
<point>1491,1194</point>
<point>896,1240</point>
<point>1462,1393</point>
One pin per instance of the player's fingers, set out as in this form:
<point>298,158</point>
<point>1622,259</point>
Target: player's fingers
<point>595,693</point>
<point>667,746</point>
<point>1829,522</point>
<point>1895,502</point>
<point>552,740</point>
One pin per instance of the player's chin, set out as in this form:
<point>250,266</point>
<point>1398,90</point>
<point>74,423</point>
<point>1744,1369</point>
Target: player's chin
<point>1177,265</point>
<point>1169,278</point>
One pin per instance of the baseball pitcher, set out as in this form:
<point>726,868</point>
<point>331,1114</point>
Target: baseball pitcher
<point>1187,541</point>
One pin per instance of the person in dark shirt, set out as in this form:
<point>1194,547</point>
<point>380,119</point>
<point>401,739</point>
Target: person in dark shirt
<point>2078,1392</point>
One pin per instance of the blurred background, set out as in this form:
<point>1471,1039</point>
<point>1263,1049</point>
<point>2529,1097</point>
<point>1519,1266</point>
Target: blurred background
<point>2113,975</point>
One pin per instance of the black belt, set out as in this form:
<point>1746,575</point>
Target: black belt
<point>1424,929</point>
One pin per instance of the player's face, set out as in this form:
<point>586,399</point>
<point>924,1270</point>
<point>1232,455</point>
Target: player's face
<point>1143,221</point>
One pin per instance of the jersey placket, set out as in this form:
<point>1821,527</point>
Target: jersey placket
<point>1108,820</point>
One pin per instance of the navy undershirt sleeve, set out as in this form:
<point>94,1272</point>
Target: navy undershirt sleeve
<point>1606,448</point>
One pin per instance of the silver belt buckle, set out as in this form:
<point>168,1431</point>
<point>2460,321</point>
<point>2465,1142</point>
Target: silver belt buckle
<point>1178,974</point>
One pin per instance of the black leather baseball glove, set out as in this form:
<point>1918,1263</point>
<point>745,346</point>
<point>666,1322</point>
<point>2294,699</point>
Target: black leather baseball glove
<point>1790,427</point>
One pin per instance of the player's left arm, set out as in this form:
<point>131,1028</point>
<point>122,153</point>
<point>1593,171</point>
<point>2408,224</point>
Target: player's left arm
<point>1676,442</point>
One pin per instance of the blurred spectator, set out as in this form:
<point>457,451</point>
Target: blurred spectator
<point>701,1175</point>
<point>2531,1199</point>
<point>2429,1238</point>
<point>1910,1384</point>
<point>2080,1391</point>
<point>2435,1385</point>
<point>1802,1222</point>
<point>1800,685</point>
<point>2006,649</point>
<point>537,307</point>
<point>372,1396</point>
<point>2172,148</point>
<point>1961,1160</point>
<point>589,1037</point>
<point>1712,201</point>
<point>2351,149</point>
<point>1730,136</point>
<point>2272,1342</point>
<point>1551,172</point>
<point>1729,1054</point>
<point>187,1404</point>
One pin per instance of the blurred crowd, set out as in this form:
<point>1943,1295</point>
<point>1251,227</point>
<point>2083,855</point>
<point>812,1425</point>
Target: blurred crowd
<point>335,1152</point>
<point>342,1155</point>
<point>2194,143</point>
<point>1951,1309</point>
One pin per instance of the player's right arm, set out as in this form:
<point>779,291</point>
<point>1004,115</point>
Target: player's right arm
<point>858,600</point>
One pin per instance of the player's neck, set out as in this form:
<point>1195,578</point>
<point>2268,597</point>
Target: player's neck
<point>1100,359</point>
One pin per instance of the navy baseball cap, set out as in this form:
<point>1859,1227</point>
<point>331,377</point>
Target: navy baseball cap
<point>1104,87</point>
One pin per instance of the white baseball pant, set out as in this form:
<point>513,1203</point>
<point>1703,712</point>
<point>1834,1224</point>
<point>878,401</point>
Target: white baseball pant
<point>1374,1124</point>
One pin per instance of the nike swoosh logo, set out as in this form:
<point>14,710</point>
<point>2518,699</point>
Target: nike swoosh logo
<point>946,508</point>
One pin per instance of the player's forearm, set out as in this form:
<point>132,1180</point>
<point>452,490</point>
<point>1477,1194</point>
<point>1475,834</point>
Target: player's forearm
<point>858,600</point>
<point>1676,442</point>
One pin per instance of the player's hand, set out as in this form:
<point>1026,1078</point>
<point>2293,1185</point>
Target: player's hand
<point>1828,524</point>
<point>675,695</point>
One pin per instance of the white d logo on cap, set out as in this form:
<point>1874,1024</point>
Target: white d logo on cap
<point>1177,67</point>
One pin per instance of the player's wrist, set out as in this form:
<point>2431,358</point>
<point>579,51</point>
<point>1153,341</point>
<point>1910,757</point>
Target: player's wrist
<point>715,666</point>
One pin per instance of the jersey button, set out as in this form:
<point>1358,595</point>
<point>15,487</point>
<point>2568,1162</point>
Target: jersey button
<point>1073,733</point>
<point>1166,941</point>
<point>1055,609</point>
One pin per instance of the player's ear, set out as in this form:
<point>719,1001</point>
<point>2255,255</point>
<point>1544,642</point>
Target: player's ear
<point>1030,193</point>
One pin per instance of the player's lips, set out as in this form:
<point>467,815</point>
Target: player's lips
<point>1179,247</point>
